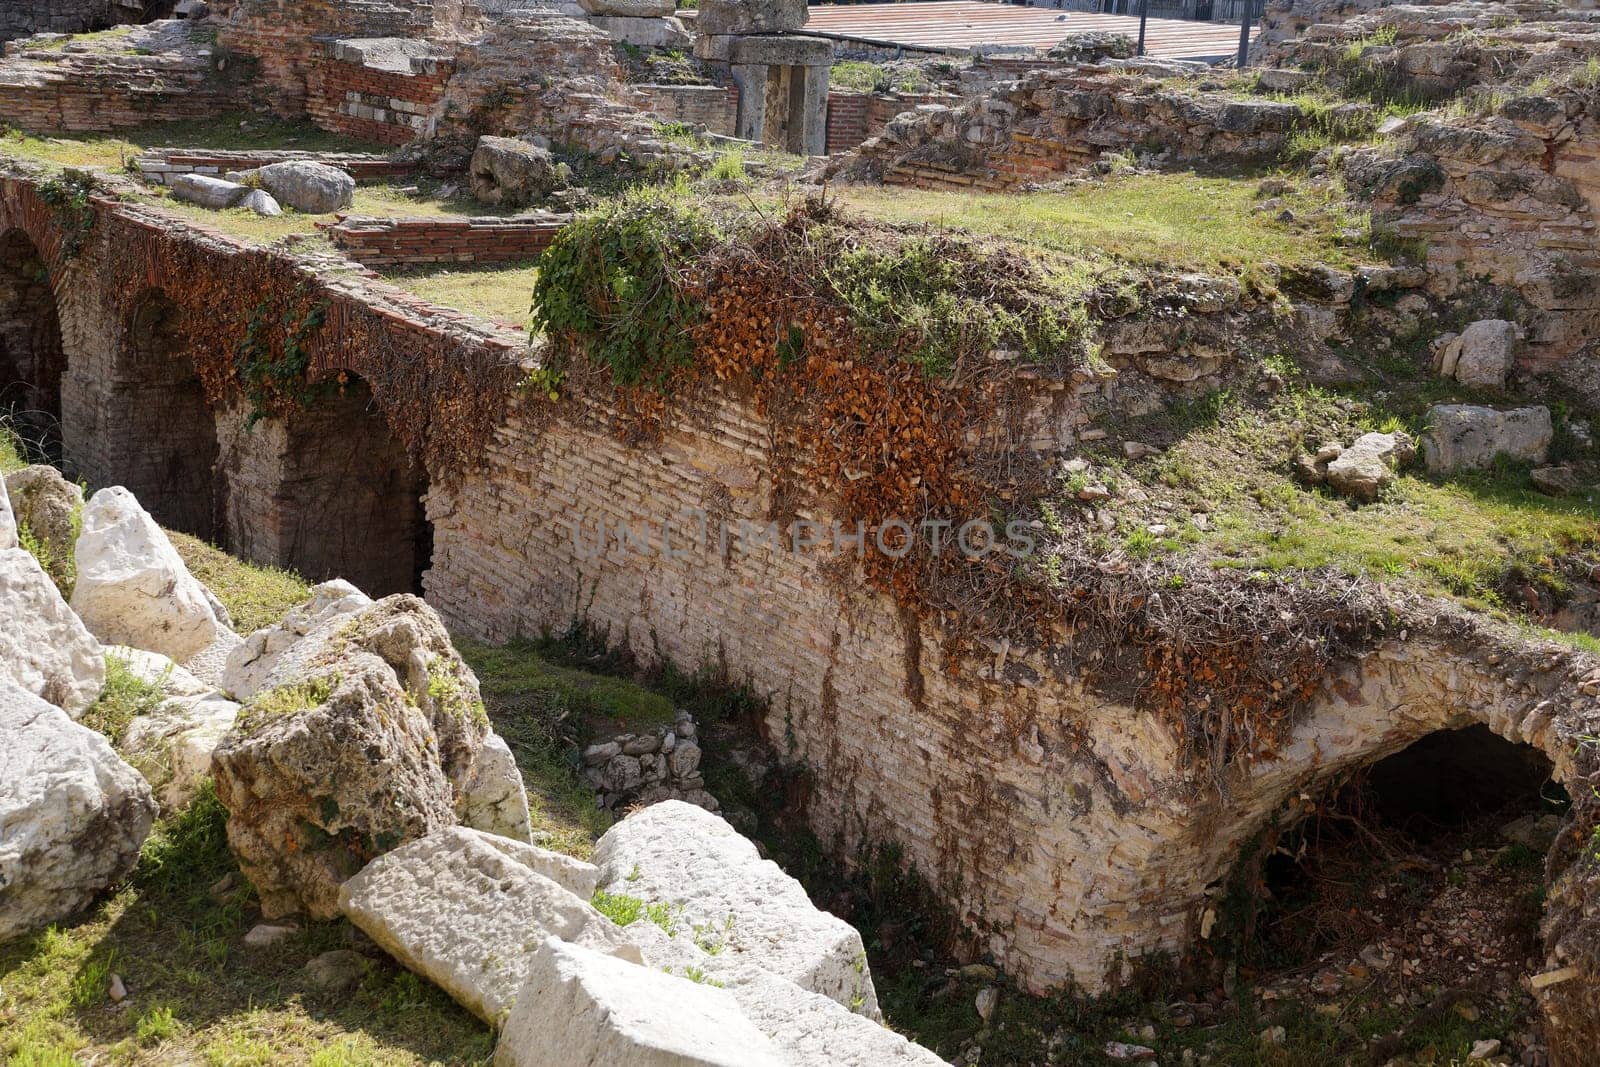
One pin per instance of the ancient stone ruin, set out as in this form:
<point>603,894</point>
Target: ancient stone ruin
<point>552,533</point>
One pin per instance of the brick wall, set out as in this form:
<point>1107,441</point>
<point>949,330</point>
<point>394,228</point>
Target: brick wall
<point>395,242</point>
<point>854,117</point>
<point>715,107</point>
<point>378,105</point>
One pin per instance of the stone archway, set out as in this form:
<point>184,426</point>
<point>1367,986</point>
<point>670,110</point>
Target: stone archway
<point>159,422</point>
<point>32,360</point>
<point>351,499</point>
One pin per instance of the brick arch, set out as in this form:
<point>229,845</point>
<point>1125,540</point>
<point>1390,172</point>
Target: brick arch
<point>157,419</point>
<point>32,357</point>
<point>346,501</point>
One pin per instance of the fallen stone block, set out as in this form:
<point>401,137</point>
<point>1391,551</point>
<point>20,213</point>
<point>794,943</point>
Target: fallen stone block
<point>214,193</point>
<point>1469,437</point>
<point>461,912</point>
<point>46,506</point>
<point>1367,467</point>
<point>581,1006</point>
<point>134,589</point>
<point>45,648</point>
<point>73,816</point>
<point>251,663</point>
<point>684,856</point>
<point>306,185</point>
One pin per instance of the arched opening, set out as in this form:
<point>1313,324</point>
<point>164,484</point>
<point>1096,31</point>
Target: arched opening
<point>352,498</point>
<point>31,357</point>
<point>1417,877</point>
<point>166,432</point>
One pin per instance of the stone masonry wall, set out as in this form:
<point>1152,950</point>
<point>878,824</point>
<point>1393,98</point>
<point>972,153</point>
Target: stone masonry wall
<point>389,107</point>
<point>21,18</point>
<point>715,107</point>
<point>1060,825</point>
<point>393,242</point>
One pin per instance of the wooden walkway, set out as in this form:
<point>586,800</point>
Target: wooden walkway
<point>961,24</point>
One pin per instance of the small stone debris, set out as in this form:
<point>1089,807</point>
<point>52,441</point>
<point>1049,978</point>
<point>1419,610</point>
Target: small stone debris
<point>1123,1052</point>
<point>264,935</point>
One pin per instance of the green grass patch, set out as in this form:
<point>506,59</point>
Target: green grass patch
<point>196,994</point>
<point>500,293</point>
<point>125,696</point>
<point>1472,535</point>
<point>254,595</point>
<point>1180,220</point>
<point>624,910</point>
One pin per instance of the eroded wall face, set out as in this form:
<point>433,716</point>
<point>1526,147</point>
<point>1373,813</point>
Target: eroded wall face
<point>32,360</point>
<point>1058,824</point>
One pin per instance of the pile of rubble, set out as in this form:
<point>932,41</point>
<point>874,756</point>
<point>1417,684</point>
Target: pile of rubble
<point>361,778</point>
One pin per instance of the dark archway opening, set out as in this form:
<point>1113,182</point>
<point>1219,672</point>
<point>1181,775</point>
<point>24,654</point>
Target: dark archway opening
<point>168,432</point>
<point>356,507</point>
<point>32,360</point>
<point>1402,899</point>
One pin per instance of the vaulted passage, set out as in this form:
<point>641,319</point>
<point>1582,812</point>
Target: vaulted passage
<point>1432,856</point>
<point>165,432</point>
<point>351,498</point>
<point>31,357</point>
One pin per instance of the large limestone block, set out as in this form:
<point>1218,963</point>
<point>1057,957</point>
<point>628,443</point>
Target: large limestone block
<point>206,191</point>
<point>46,505</point>
<point>308,186</point>
<point>584,1007</point>
<point>8,520</point>
<point>1469,437</point>
<point>44,647</point>
<point>463,913</point>
<point>321,775</point>
<point>410,640</point>
<point>252,661</point>
<point>494,797</point>
<point>805,1027</point>
<point>1484,354</point>
<point>73,816</point>
<point>750,16</point>
<point>572,874</point>
<point>134,589</point>
<point>680,854</point>
<point>512,173</point>
<point>639,9</point>
<point>644,33</point>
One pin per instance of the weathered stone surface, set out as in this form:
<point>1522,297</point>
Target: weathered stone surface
<point>365,733</point>
<point>630,8</point>
<point>806,1027</point>
<point>1484,354</point>
<point>202,189</point>
<point>781,50</point>
<point>8,520</point>
<point>682,855</point>
<point>72,815</point>
<point>46,505</point>
<point>750,16</point>
<point>172,746</point>
<point>582,1006</point>
<point>262,203</point>
<point>44,647</point>
<point>644,33</point>
<point>1469,437</point>
<point>252,661</point>
<point>1557,481</point>
<point>319,777</point>
<point>510,172</point>
<point>1367,467</point>
<point>305,185</point>
<point>409,639</point>
<point>494,798</point>
<point>134,589</point>
<point>573,875</point>
<point>464,914</point>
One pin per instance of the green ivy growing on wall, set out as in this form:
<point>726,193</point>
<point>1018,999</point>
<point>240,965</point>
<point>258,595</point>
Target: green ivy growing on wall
<point>274,356</point>
<point>68,198</point>
<point>611,282</point>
